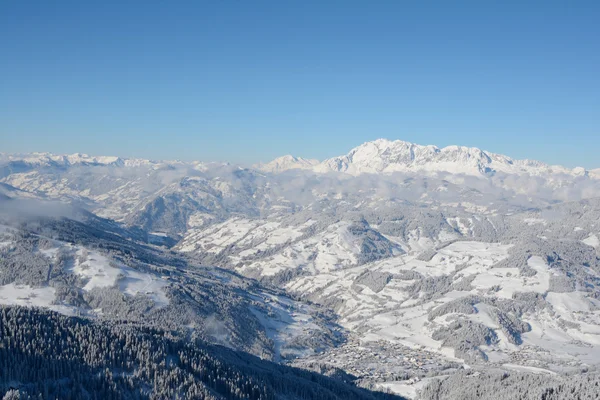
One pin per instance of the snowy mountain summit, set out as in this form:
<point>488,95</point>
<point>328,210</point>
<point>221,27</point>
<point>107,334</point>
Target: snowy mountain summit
<point>287,162</point>
<point>387,156</point>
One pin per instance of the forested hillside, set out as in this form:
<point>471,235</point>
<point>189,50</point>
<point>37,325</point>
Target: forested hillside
<point>502,385</point>
<point>47,355</point>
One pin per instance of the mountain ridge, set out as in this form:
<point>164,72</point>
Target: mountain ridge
<point>287,162</point>
<point>387,156</point>
<point>377,156</point>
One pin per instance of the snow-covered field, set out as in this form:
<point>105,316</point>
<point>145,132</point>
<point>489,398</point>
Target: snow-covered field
<point>396,315</point>
<point>24,295</point>
<point>95,270</point>
<point>99,271</point>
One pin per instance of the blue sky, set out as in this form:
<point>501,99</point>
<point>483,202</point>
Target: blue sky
<point>245,81</point>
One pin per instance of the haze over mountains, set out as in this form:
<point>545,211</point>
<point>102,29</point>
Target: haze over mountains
<point>396,267</point>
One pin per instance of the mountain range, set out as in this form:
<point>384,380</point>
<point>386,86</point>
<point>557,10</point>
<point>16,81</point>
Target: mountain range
<point>386,156</point>
<point>396,267</point>
<point>378,156</point>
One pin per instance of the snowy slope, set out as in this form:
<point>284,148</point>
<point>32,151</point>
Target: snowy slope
<point>126,281</point>
<point>260,248</point>
<point>442,307</point>
<point>93,269</point>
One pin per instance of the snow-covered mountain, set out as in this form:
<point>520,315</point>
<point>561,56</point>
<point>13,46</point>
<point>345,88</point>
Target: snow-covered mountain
<point>378,156</point>
<point>54,160</point>
<point>287,162</point>
<point>386,156</point>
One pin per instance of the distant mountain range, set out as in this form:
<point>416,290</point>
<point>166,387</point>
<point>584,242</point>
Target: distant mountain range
<point>378,156</point>
<point>386,156</point>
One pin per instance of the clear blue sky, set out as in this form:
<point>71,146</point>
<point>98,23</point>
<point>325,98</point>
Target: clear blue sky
<point>248,80</point>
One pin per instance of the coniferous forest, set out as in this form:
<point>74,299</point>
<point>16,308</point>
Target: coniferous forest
<point>45,355</point>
